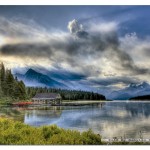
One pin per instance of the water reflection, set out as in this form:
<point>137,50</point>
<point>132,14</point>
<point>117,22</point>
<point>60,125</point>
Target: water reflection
<point>37,116</point>
<point>12,113</point>
<point>110,119</point>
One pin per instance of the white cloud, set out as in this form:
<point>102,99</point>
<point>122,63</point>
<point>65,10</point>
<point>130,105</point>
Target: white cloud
<point>74,26</point>
<point>103,27</point>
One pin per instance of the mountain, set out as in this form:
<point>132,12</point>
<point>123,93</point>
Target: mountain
<point>71,80</point>
<point>133,90</point>
<point>34,78</point>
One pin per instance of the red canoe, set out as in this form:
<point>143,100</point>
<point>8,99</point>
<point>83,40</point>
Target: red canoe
<point>22,103</point>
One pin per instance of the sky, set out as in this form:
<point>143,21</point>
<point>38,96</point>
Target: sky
<point>102,47</point>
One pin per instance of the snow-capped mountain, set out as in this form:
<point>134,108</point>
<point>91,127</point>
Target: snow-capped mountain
<point>131,91</point>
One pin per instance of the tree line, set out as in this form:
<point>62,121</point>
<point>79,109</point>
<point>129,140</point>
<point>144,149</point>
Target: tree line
<point>10,87</point>
<point>66,94</point>
<point>139,98</point>
<point>13,90</point>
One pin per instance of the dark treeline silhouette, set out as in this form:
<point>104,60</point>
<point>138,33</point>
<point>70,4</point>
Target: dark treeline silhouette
<point>12,90</point>
<point>144,97</point>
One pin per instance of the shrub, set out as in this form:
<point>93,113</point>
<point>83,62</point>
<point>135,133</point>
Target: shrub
<point>90,138</point>
<point>17,133</point>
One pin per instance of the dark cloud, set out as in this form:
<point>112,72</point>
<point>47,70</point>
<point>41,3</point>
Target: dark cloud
<point>146,51</point>
<point>128,64</point>
<point>114,80</point>
<point>82,34</point>
<point>27,50</point>
<point>103,41</point>
<point>77,48</point>
<point>62,74</point>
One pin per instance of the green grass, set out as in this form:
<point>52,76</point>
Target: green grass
<point>17,133</point>
<point>5,100</point>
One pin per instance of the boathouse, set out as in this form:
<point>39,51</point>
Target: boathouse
<point>47,98</point>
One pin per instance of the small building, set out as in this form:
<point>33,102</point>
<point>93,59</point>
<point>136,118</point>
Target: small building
<point>47,98</point>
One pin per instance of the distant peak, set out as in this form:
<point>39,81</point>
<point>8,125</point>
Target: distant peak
<point>143,84</point>
<point>133,85</point>
<point>30,71</point>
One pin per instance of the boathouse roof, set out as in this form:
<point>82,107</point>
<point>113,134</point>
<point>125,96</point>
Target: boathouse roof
<point>43,96</point>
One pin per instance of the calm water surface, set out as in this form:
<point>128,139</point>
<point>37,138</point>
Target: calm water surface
<point>110,119</point>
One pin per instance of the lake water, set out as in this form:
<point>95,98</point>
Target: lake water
<point>109,119</point>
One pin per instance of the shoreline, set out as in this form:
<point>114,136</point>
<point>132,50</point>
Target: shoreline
<point>80,103</point>
<point>55,135</point>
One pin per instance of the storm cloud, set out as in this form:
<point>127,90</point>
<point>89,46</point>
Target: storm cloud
<point>27,49</point>
<point>114,80</point>
<point>82,50</point>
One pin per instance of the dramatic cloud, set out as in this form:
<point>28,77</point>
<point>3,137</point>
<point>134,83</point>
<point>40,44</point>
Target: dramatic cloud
<point>74,26</point>
<point>114,80</point>
<point>94,52</point>
<point>77,29</point>
<point>29,49</point>
<point>19,28</point>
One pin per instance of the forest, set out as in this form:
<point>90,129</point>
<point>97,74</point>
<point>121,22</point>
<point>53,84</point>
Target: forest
<point>10,88</point>
<point>13,90</point>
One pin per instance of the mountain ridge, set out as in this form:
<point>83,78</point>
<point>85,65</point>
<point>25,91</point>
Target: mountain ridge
<point>34,78</point>
<point>133,90</point>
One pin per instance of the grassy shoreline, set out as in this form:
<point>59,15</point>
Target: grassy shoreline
<point>17,133</point>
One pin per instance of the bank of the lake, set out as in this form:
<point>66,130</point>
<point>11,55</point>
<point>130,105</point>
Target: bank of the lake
<point>63,103</point>
<point>112,120</point>
<point>17,133</point>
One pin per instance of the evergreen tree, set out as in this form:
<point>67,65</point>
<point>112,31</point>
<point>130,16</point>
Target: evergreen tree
<point>21,90</point>
<point>2,77</point>
<point>9,84</point>
<point>10,87</point>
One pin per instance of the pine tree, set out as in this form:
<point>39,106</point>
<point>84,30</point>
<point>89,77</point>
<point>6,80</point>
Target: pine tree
<point>1,92</point>
<point>2,77</point>
<point>9,84</point>
<point>10,87</point>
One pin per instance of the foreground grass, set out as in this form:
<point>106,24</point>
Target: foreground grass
<point>17,133</point>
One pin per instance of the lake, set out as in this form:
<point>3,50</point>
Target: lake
<point>109,119</point>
